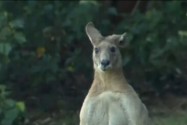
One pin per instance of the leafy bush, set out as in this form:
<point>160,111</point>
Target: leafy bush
<point>52,31</point>
<point>157,44</point>
<point>11,112</point>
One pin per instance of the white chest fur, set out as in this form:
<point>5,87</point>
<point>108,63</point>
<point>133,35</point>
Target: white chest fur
<point>111,108</point>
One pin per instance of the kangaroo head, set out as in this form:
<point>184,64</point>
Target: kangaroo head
<point>106,54</point>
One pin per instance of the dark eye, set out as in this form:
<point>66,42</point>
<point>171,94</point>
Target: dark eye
<point>96,50</point>
<point>120,42</point>
<point>112,49</point>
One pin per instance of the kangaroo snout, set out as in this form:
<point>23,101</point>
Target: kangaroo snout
<point>105,63</point>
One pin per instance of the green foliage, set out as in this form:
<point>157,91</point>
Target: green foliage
<point>11,111</point>
<point>54,35</point>
<point>157,43</point>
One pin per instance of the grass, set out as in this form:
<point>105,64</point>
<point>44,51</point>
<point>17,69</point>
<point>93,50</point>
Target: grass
<point>174,119</point>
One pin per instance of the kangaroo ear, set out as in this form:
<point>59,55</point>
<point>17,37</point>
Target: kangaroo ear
<point>93,34</point>
<point>120,40</point>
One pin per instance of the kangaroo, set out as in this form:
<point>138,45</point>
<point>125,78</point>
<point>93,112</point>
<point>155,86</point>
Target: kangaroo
<point>110,100</point>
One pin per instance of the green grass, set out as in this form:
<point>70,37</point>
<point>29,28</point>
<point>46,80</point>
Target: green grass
<point>170,120</point>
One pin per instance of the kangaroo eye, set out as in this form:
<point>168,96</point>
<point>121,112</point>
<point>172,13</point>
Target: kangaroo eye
<point>120,42</point>
<point>112,49</point>
<point>96,50</point>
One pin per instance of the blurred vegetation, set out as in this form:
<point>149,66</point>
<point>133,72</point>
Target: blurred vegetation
<point>11,112</point>
<point>157,46</point>
<point>46,55</point>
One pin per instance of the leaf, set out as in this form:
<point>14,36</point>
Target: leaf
<point>5,48</point>
<point>20,38</point>
<point>10,116</point>
<point>18,23</point>
<point>70,69</point>
<point>182,33</point>
<point>10,103</point>
<point>40,52</point>
<point>3,91</point>
<point>20,106</point>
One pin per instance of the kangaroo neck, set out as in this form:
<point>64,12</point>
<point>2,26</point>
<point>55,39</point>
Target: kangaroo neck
<point>107,78</point>
<point>112,80</point>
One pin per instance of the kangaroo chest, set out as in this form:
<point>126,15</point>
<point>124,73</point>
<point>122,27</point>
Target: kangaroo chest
<point>105,109</point>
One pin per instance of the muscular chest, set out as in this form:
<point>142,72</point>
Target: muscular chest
<point>105,109</point>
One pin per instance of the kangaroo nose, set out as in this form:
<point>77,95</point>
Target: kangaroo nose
<point>105,63</point>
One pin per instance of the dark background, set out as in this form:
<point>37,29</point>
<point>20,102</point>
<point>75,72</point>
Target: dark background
<point>46,64</point>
